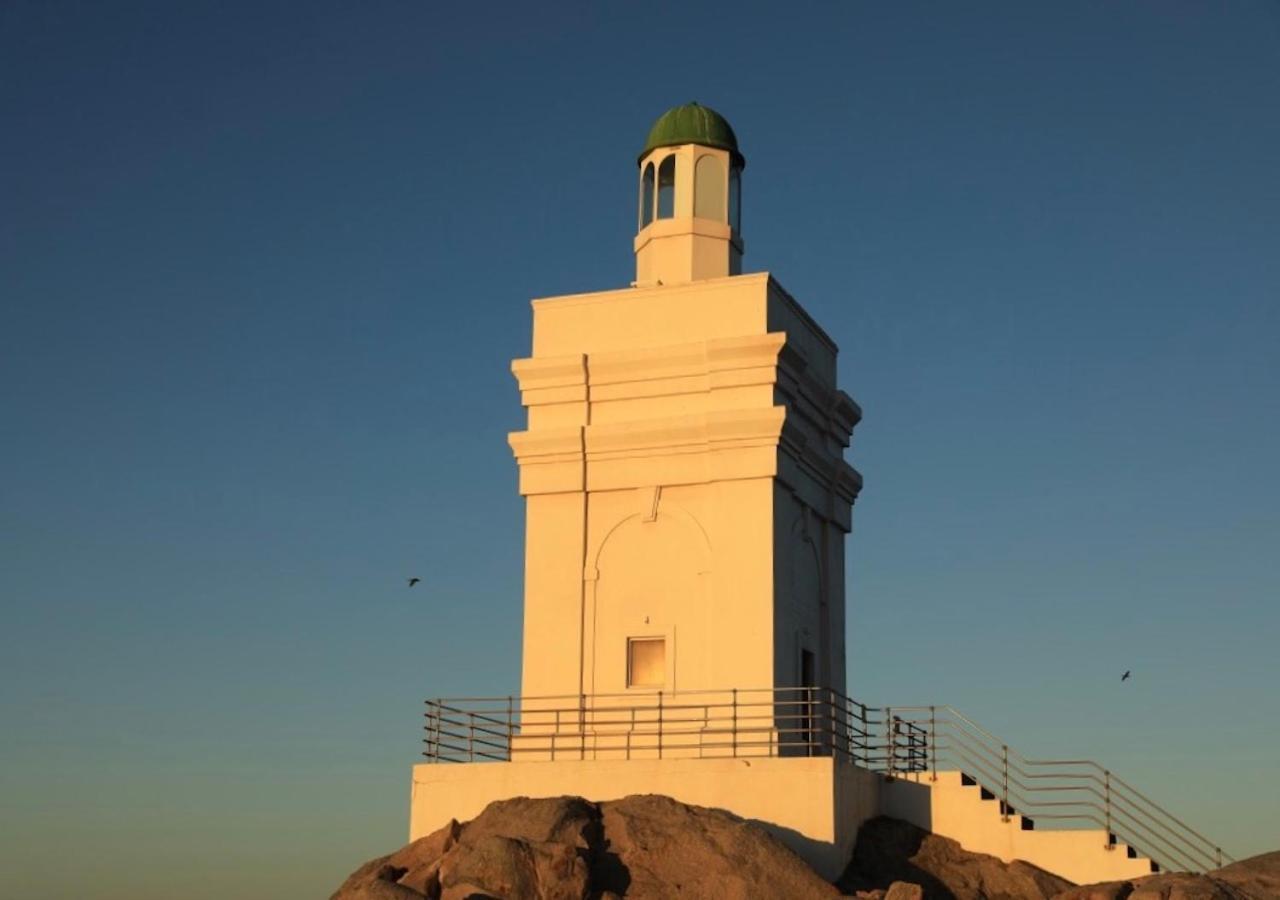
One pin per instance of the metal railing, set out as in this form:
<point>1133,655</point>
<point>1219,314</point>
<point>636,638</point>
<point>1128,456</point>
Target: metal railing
<point>804,721</point>
<point>914,742</point>
<point>1068,793</point>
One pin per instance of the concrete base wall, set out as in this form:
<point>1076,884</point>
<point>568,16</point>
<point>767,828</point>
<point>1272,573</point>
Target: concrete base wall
<point>814,805</point>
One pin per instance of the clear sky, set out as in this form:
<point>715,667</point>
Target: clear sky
<point>262,271</point>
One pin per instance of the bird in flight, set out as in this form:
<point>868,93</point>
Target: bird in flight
<point>1125,676</point>
<point>413,581</point>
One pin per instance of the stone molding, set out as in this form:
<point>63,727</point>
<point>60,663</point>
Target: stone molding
<point>810,425</point>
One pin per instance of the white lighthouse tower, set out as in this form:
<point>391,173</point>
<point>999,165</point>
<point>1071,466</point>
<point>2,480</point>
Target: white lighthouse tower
<point>687,499</point>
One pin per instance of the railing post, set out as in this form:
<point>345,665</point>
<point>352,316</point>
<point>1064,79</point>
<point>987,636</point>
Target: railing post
<point>1218,853</point>
<point>833,722</point>
<point>659,724</point>
<point>933,742</point>
<point>439,730</point>
<point>511,743</point>
<point>582,726</point>
<point>734,736</point>
<point>850,747</point>
<point>865,736</point>
<point>1106,798</point>
<point>808,721</point>
<point>1004,802</point>
<point>471,736</point>
<point>891,744</point>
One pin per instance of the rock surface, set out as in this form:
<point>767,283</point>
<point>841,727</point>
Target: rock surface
<point>567,848</point>
<point>1257,878</point>
<point>890,851</point>
<point>647,847</point>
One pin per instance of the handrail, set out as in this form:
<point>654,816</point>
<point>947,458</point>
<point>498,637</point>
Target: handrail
<point>1137,807</point>
<point>1145,814</point>
<point>1142,822</point>
<point>896,741</point>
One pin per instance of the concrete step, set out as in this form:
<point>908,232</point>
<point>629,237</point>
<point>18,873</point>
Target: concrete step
<point>967,810</point>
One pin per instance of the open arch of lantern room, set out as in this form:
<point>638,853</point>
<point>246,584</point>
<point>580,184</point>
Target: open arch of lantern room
<point>716,186</point>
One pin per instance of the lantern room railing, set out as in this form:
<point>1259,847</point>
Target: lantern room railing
<point>914,743</point>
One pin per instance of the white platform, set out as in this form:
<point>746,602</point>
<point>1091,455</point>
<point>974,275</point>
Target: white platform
<point>814,805</point>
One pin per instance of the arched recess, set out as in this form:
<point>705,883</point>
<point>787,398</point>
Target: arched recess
<point>709,186</point>
<point>802,653</point>
<point>735,199</point>
<point>648,579</point>
<point>805,606</point>
<point>646,196</point>
<point>667,187</point>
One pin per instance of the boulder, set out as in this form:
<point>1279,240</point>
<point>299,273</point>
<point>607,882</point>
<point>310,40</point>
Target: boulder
<point>524,848</point>
<point>657,847</point>
<point>1257,878</point>
<point>420,860</point>
<point>566,848</point>
<point>1109,890</point>
<point>903,890</point>
<point>648,847</point>
<point>556,820</point>
<point>376,880</point>
<point>889,851</point>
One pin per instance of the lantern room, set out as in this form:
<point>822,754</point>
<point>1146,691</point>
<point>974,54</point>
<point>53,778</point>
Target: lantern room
<point>689,217</point>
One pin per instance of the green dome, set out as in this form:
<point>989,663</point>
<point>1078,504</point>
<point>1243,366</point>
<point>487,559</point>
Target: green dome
<point>693,124</point>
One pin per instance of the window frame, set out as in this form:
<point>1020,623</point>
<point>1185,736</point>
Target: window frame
<point>660,639</point>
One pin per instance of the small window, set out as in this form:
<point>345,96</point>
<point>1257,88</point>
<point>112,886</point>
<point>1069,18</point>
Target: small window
<point>708,189</point>
<point>667,188</point>
<point>646,662</point>
<point>646,196</point>
<point>735,199</point>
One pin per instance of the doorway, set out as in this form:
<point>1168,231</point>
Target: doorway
<point>809,701</point>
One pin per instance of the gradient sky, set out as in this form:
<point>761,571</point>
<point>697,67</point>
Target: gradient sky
<point>263,268</point>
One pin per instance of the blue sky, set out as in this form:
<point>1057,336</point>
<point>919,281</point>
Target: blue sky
<point>262,271</point>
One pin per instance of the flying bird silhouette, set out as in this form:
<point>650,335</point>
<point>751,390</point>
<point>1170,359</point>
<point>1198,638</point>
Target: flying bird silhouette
<point>1125,676</point>
<point>413,581</point>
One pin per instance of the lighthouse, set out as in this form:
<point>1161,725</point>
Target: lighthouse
<point>687,499</point>
<point>687,503</point>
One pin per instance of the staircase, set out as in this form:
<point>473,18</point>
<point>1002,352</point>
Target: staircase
<point>958,807</point>
<point>945,773</point>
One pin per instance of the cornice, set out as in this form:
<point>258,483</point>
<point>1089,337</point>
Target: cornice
<point>683,434</point>
<point>689,368</point>
<point>688,287</point>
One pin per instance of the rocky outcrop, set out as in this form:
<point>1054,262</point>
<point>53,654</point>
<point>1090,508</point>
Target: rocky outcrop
<point>567,848</point>
<point>647,847</point>
<point>890,851</point>
<point>1257,878</point>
